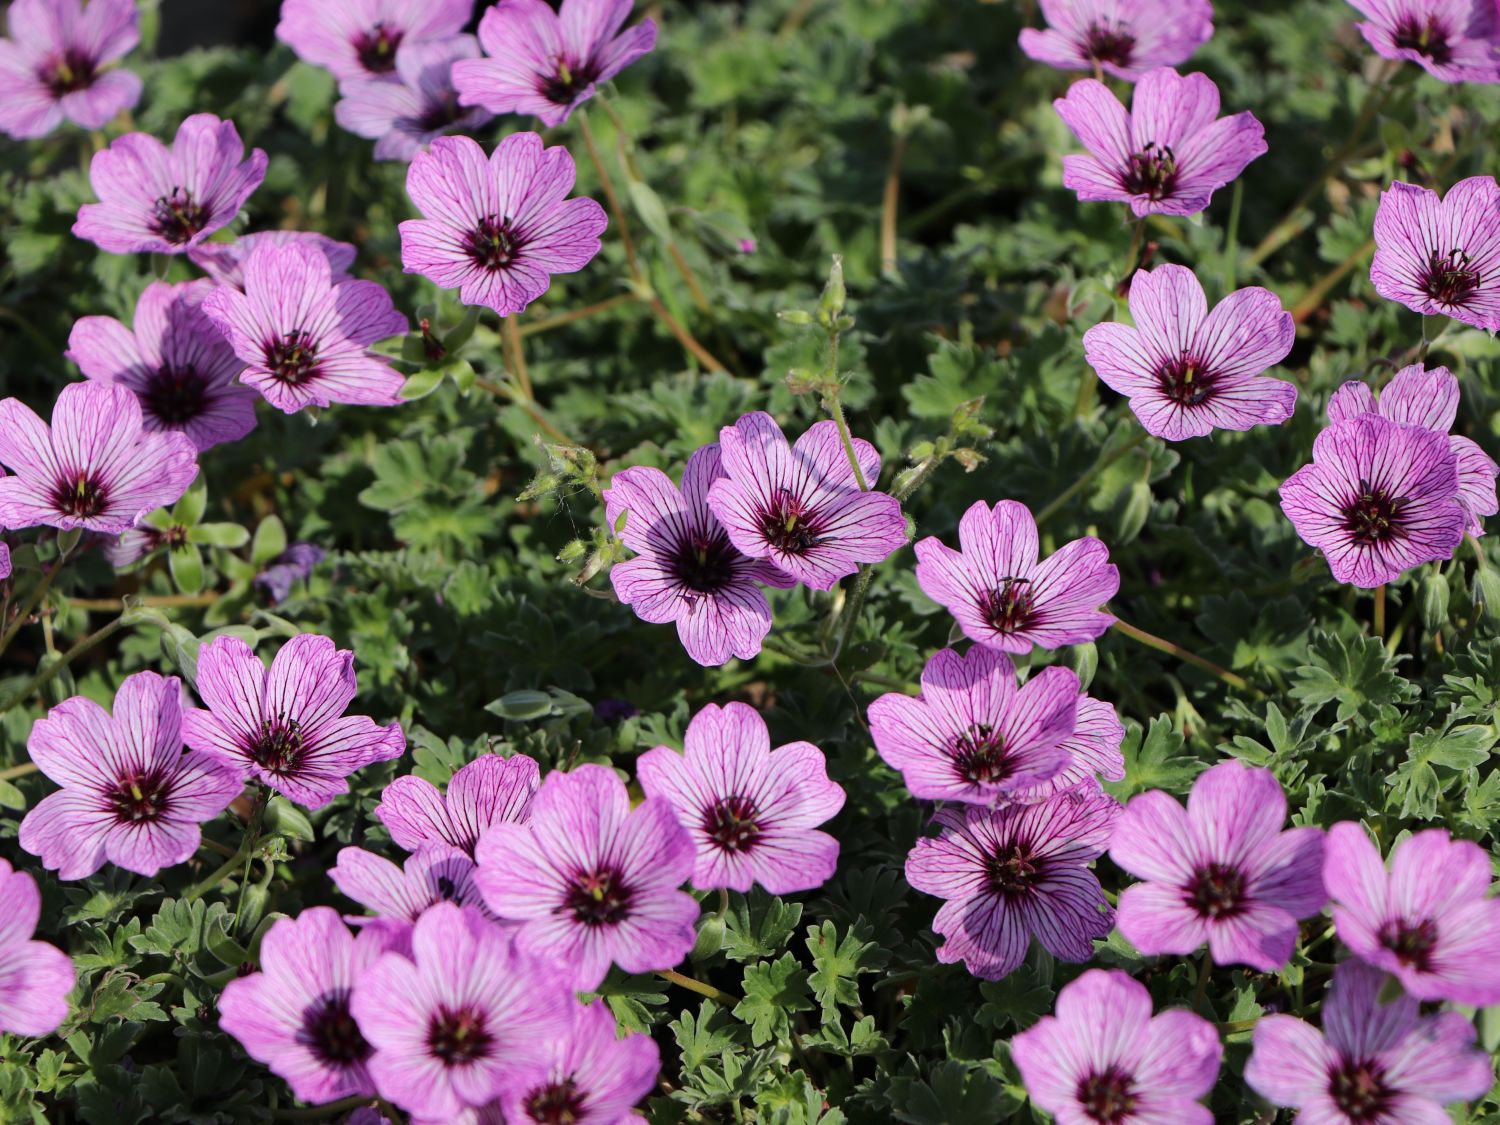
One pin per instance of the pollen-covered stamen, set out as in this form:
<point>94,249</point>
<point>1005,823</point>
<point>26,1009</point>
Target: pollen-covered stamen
<point>1358,1088</point>
<point>1374,516</point>
<point>1427,37</point>
<point>731,824</point>
<point>280,747</point>
<point>174,396</point>
<point>1217,891</point>
<point>458,1037</point>
<point>979,756</point>
<point>569,79</point>
<point>492,244</point>
<point>1107,1096</point>
<point>80,495</point>
<point>790,526</point>
<point>703,561</point>
<point>1107,42</point>
<point>598,898</point>
<point>1450,279</point>
<point>140,798</point>
<point>1411,942</point>
<point>1012,871</point>
<point>376,48</point>
<point>557,1103</point>
<point>1152,172</point>
<point>329,1031</point>
<point>1186,381</point>
<point>292,359</point>
<point>1008,607</point>
<point>177,217</point>
<point>69,72</point>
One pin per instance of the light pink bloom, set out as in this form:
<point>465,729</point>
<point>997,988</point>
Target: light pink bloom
<point>1441,257</point>
<point>1125,38</point>
<point>55,64</point>
<point>224,262</point>
<point>35,978</point>
<point>405,116</point>
<point>356,39</point>
<point>488,790</point>
<point>1452,40</point>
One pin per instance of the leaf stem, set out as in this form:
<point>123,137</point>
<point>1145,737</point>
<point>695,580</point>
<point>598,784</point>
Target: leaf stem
<point>718,995</point>
<point>38,592</point>
<point>44,677</point>
<point>515,357</point>
<point>513,395</point>
<point>1187,656</point>
<point>1380,612</point>
<point>1202,988</point>
<point>1103,462</point>
<point>889,204</point>
<point>547,324</point>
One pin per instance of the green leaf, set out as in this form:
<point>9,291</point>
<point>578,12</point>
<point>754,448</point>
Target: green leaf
<point>649,207</point>
<point>759,925</point>
<point>186,563</point>
<point>1154,760</point>
<point>1016,1001</point>
<point>704,1036</point>
<point>954,1093</point>
<point>285,819</point>
<point>269,541</point>
<point>230,536</point>
<point>837,965</point>
<point>774,992</point>
<point>422,384</point>
<point>521,706</point>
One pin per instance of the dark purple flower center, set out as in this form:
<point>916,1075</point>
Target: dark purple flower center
<point>979,756</point>
<point>329,1031</point>
<point>279,749</point>
<point>174,396</point>
<point>1411,943</point>
<point>439,113</point>
<point>459,1037</point>
<point>789,526</point>
<point>1450,279</point>
<point>1374,516</point>
<point>557,1103</point>
<point>140,798</point>
<point>1152,172</point>
<point>1013,870</point>
<point>1105,42</point>
<point>1358,1088</point>
<point>68,73</point>
<point>1008,607</point>
<point>446,889</point>
<point>492,244</point>
<point>82,497</point>
<point>598,898</point>
<point>1107,1096</point>
<point>704,561</point>
<point>731,824</point>
<point>569,80</point>
<point>1426,37</point>
<point>1217,891</point>
<point>292,359</point>
<point>376,48</point>
<point>176,217</point>
<point>1186,381</point>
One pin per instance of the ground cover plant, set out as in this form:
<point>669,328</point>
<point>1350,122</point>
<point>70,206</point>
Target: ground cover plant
<point>807,561</point>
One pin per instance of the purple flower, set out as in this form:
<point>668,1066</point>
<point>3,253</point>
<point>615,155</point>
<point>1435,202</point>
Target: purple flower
<point>157,201</point>
<point>590,1076</point>
<point>1125,38</point>
<point>95,468</point>
<point>1441,257</point>
<point>359,38</point>
<point>453,1023</point>
<point>131,545</point>
<point>1188,371</point>
<point>400,895</point>
<point>1003,597</point>
<point>176,362</point>
<point>295,564</point>
<point>129,794</point>
<point>488,790</point>
<point>306,337</point>
<point>1015,873</point>
<point>1419,397</point>
<point>224,262</point>
<point>546,64</point>
<point>287,726</point>
<point>752,812</point>
<point>403,117</point>
<point>1372,1062</point>
<point>686,569</point>
<point>1378,499</point>
<point>497,228</point>
<point>1429,922</point>
<point>4,562</point>
<point>54,65</point>
<point>592,880</point>
<point>800,507</point>
<point>1221,872</point>
<point>1453,40</point>
<point>294,1015</point>
<point>1168,154</point>
<point>1104,1058</point>
<point>35,978</point>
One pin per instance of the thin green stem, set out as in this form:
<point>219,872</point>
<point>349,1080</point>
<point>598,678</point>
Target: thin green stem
<point>1380,612</point>
<point>1232,234</point>
<point>241,857</point>
<point>718,995</point>
<point>318,1112</point>
<point>852,608</point>
<point>38,592</point>
<point>513,395</point>
<point>1201,991</point>
<point>44,677</point>
<point>612,197</point>
<point>1103,462</point>
<point>836,409</point>
<point>1187,656</point>
<point>562,319</point>
<point>18,771</point>
<point>1133,255</point>
<point>515,357</point>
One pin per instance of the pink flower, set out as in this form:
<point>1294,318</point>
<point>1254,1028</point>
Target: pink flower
<point>406,115</point>
<point>1188,371</point>
<point>287,726</point>
<point>164,201</point>
<point>400,895</point>
<point>1168,154</point>
<point>488,790</point>
<point>55,65</point>
<point>1453,40</point>
<point>590,1076</point>
<point>129,794</point>
<point>1003,597</point>
<point>224,262</point>
<point>1441,257</point>
<point>35,978</point>
<point>1125,38</point>
<point>544,63</point>
<point>752,811</point>
<point>357,39</point>
<point>4,561</point>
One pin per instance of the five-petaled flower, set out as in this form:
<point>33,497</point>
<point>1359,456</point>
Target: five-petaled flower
<point>1453,40</point>
<point>406,115</point>
<point>224,262</point>
<point>589,1077</point>
<point>1188,370</point>
<point>752,811</point>
<point>1168,154</point>
<point>1441,257</point>
<point>165,201</point>
<point>55,66</point>
<point>401,895</point>
<point>355,39</point>
<point>1124,38</point>
<point>487,790</point>
<point>35,977</point>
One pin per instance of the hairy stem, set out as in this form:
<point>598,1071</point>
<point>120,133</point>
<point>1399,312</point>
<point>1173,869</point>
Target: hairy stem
<point>1187,656</point>
<point>718,995</point>
<point>44,677</point>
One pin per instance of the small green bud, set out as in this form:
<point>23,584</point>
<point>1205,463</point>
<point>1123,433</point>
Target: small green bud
<point>831,306</point>
<point>798,317</point>
<point>1434,596</point>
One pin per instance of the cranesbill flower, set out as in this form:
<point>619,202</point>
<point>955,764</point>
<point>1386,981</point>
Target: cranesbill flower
<point>545,63</point>
<point>591,880</point>
<point>1430,921</point>
<point>399,895</point>
<point>1428,398</point>
<point>1188,371</point>
<point>1168,154</point>
<point>4,561</point>
<point>1441,257</point>
<point>1125,38</point>
<point>487,790</point>
<point>404,116</point>
<point>687,570</point>
<point>164,201</point>
<point>295,564</point>
<point>359,38</point>
<point>973,735</point>
<point>55,65</point>
<point>1104,1058</point>
<point>129,794</point>
<point>294,1015</point>
<point>95,467</point>
<point>1093,753</point>
<point>304,337</point>
<point>1002,596</point>
<point>800,507</point>
<point>496,228</point>
<point>1372,1062</point>
<point>1378,499</point>
<point>176,362</point>
<point>224,262</point>
<point>35,978</point>
<point>287,726</point>
<point>591,1077</point>
<point>752,811</point>
<point>1015,873</point>
<point>1221,872</point>
<point>1453,40</point>
<point>451,1024</point>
